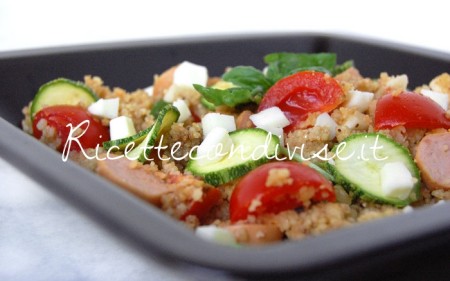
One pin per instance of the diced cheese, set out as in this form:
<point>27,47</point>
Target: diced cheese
<point>173,90</point>
<point>214,147</point>
<point>359,100</point>
<point>275,131</point>
<point>185,75</point>
<point>121,127</point>
<point>188,73</point>
<point>408,209</point>
<point>271,117</point>
<point>215,234</point>
<point>108,108</point>
<point>439,98</point>
<point>149,91</point>
<point>213,120</point>
<point>182,107</point>
<point>396,180</point>
<point>325,120</point>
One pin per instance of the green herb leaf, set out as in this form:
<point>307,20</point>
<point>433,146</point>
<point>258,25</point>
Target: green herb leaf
<point>207,104</point>
<point>283,64</point>
<point>247,77</point>
<point>251,84</point>
<point>342,67</point>
<point>229,97</point>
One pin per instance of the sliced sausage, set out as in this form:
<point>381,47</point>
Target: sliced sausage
<point>433,160</point>
<point>243,120</point>
<point>255,234</point>
<point>137,179</point>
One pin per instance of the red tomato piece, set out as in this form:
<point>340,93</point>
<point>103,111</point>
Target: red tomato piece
<point>304,185</point>
<point>195,114</point>
<point>303,93</point>
<point>59,116</point>
<point>201,208</point>
<point>410,110</point>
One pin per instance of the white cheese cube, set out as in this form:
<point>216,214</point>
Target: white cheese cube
<point>408,209</point>
<point>325,120</point>
<point>182,107</point>
<point>188,73</point>
<point>271,117</point>
<point>214,147</point>
<point>173,91</point>
<point>185,75</point>
<point>108,108</point>
<point>396,180</point>
<point>215,234</point>
<point>121,127</point>
<point>275,131</point>
<point>359,100</point>
<point>213,120</point>
<point>439,98</point>
<point>149,91</point>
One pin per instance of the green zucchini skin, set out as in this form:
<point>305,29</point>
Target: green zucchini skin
<point>166,117</point>
<point>62,91</point>
<point>121,144</point>
<point>231,168</point>
<point>364,188</point>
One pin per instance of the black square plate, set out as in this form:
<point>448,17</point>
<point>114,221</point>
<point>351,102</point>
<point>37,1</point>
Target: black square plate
<point>131,65</point>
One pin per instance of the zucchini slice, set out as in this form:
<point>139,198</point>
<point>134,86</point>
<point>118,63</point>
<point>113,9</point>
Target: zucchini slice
<point>166,117</point>
<point>242,161</point>
<point>357,167</point>
<point>121,144</point>
<point>62,91</point>
<point>157,107</point>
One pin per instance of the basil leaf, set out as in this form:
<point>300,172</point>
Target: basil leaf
<point>229,97</point>
<point>207,104</point>
<point>283,64</point>
<point>342,67</point>
<point>250,86</point>
<point>247,77</point>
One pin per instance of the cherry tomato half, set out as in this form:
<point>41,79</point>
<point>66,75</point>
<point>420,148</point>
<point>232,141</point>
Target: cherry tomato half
<point>201,208</point>
<point>410,110</point>
<point>302,186</point>
<point>59,116</point>
<point>303,93</point>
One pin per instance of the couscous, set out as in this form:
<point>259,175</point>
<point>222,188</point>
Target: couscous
<point>299,148</point>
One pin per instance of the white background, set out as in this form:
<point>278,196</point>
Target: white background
<point>43,238</point>
<point>29,24</point>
